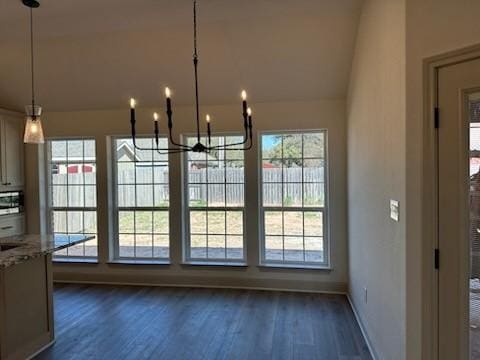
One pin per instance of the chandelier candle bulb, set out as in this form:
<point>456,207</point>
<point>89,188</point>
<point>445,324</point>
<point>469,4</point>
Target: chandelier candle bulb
<point>209,132</point>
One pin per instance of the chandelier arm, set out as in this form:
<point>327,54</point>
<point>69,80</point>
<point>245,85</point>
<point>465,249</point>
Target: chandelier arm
<point>175,143</point>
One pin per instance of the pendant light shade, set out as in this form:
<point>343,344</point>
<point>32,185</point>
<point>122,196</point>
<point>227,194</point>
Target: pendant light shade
<point>33,125</point>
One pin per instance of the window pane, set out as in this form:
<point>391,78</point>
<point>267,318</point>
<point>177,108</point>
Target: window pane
<point>197,195</point>
<point>273,223</point>
<point>235,195</point>
<point>144,195</point>
<point>293,248</point>
<point>126,195</point>
<point>272,171</point>
<point>273,248</point>
<point>216,195</point>
<point>271,146</point>
<point>313,170</point>
<point>234,247</point>
<point>314,249</point>
<point>126,245</point>
<point>160,173</point>
<point>126,173</point>
<point>75,150</point>
<point>292,146</point>
<point>143,222</point>
<point>72,186</point>
<point>198,246</point>
<point>293,187</point>
<point>292,170</point>
<point>292,195</point>
<point>272,194</point>
<point>144,246</point>
<point>293,222</point>
<point>313,223</point>
<point>60,222</point>
<point>235,222</point>
<point>144,173</point>
<point>216,172</point>
<point>313,146</point>
<point>161,246</point>
<point>90,196</point>
<point>234,172</point>
<point>216,222</point>
<point>198,222</point>
<point>161,222</point>
<point>59,196</point>
<point>161,195</point>
<point>216,247</point>
<point>126,222</point>
<point>58,150</point>
<point>313,195</point>
<point>216,181</point>
<point>143,189</point>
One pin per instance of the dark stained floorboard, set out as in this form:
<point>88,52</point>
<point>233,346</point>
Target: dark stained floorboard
<point>127,322</point>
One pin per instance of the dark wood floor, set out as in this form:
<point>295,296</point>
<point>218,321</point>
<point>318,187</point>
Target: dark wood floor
<point>110,322</point>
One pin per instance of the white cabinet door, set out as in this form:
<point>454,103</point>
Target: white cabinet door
<point>12,151</point>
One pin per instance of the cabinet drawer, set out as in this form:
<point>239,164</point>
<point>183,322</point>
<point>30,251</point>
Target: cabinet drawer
<point>11,225</point>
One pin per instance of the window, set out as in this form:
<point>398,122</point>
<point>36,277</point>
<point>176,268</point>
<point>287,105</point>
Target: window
<point>293,198</point>
<point>142,200</point>
<point>73,193</point>
<point>215,203</point>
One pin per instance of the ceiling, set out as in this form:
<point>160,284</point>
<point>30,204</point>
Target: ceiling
<point>94,54</point>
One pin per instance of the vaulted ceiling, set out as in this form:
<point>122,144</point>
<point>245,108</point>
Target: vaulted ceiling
<point>95,54</point>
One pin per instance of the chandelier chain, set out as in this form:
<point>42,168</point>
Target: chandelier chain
<point>32,59</point>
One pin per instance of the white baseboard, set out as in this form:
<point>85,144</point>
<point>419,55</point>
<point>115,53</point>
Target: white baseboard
<point>373,353</point>
<point>122,283</point>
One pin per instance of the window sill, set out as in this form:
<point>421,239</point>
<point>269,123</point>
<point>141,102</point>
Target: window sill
<point>138,262</point>
<point>215,263</point>
<point>295,266</point>
<point>74,261</point>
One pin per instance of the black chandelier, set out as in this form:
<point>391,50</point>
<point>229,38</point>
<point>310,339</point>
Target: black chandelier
<point>199,147</point>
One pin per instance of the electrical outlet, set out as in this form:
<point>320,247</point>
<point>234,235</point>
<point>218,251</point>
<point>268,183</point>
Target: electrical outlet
<point>365,294</point>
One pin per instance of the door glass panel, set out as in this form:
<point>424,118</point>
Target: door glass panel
<point>474,110</point>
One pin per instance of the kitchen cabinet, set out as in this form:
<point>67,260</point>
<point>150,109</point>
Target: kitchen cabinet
<point>11,150</point>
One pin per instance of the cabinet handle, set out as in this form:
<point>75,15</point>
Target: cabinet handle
<point>7,227</point>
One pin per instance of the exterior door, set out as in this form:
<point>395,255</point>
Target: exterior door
<point>459,211</point>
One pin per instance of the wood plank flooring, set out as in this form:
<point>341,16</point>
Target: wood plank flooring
<point>126,322</point>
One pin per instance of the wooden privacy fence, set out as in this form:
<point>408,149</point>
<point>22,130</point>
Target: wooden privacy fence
<point>152,187</point>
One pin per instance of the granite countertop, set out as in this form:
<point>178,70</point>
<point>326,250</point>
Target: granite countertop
<point>32,246</point>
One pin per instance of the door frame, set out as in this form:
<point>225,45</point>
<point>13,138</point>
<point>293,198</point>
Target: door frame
<point>430,210</point>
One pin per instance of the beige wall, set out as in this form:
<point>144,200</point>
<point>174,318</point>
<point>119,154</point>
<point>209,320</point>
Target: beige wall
<point>433,27</point>
<point>268,116</point>
<point>376,174</point>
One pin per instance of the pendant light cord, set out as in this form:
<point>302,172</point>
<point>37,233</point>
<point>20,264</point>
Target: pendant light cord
<point>32,61</point>
<point>195,64</point>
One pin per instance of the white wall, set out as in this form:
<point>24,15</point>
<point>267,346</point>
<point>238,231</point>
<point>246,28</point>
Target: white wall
<point>376,174</point>
<point>268,116</point>
<point>433,27</point>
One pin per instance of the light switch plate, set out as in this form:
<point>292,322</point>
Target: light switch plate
<point>394,210</point>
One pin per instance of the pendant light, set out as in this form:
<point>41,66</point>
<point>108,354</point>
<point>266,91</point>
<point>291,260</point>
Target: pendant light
<point>33,125</point>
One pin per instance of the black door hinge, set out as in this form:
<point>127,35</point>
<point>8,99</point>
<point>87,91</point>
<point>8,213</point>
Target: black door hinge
<point>437,259</point>
<point>436,118</point>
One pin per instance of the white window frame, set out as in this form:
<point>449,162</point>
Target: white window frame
<point>186,210</point>
<point>325,264</point>
<point>49,197</point>
<point>114,218</point>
